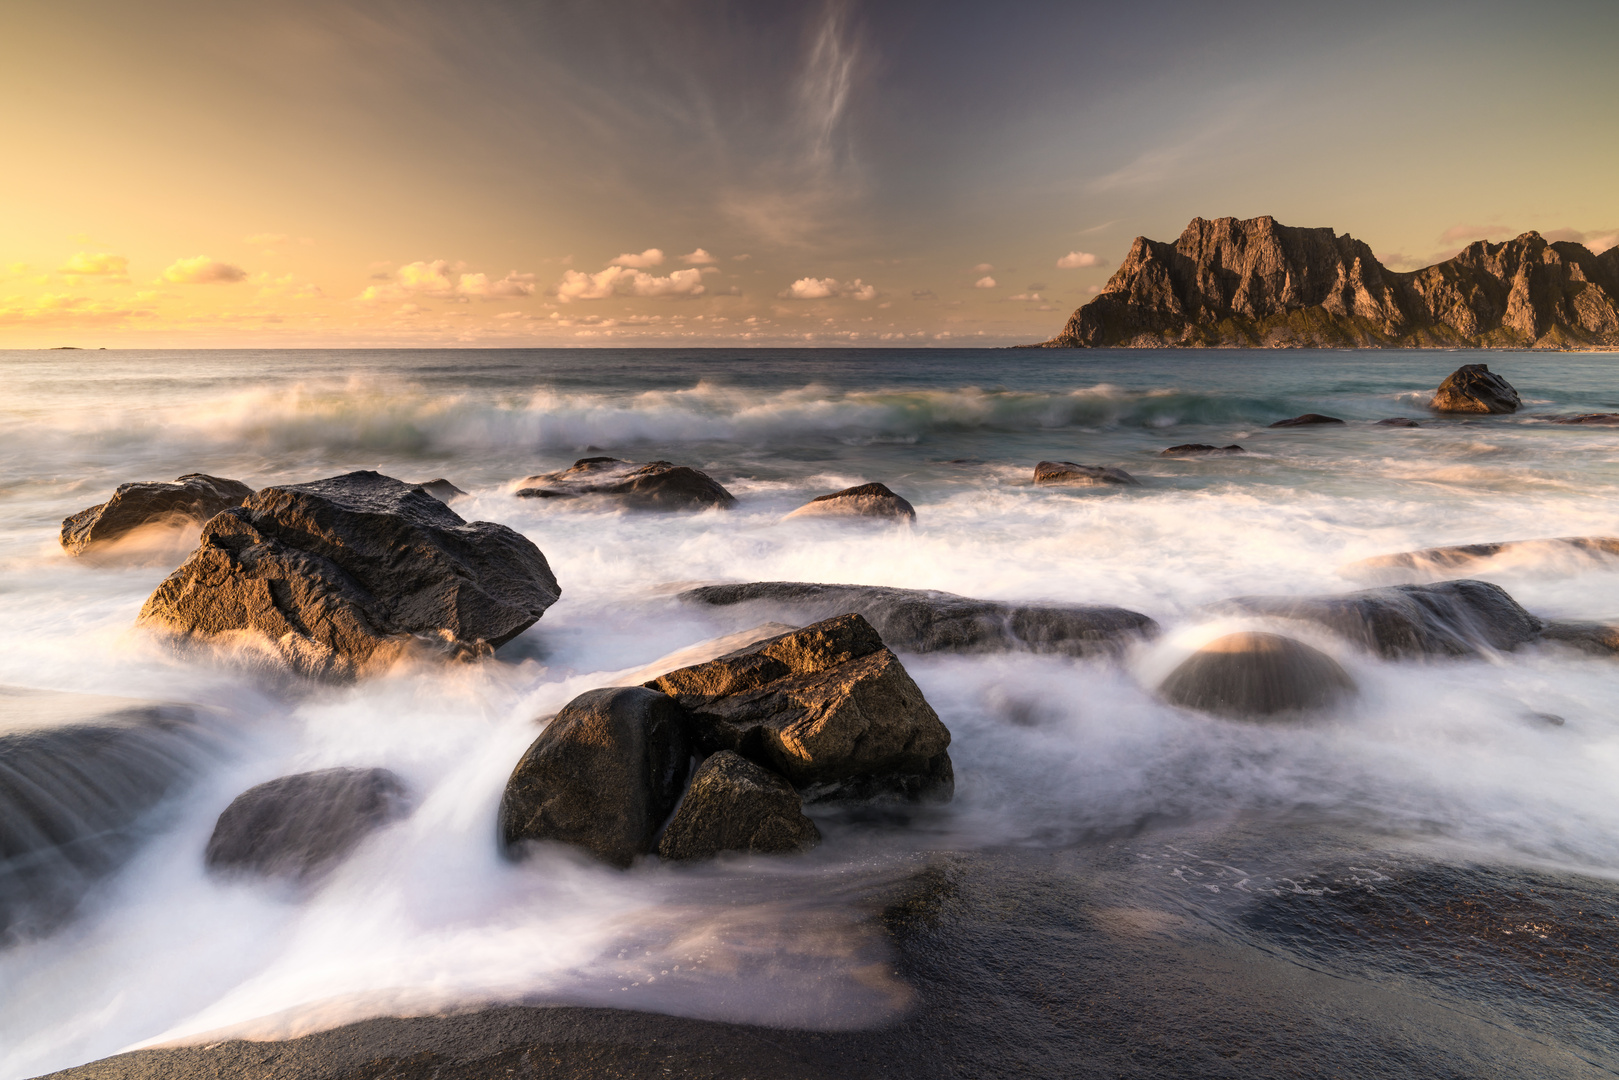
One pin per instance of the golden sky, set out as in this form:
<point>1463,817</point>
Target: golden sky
<point>226,174</point>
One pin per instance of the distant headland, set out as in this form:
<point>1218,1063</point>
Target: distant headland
<point>1259,284</point>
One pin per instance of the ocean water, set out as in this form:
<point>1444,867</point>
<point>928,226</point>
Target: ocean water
<point>1441,759</point>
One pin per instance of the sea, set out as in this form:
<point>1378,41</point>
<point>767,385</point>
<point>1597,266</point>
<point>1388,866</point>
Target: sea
<point>1447,762</point>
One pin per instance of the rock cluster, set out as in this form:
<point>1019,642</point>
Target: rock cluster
<point>1473,388</point>
<point>1066,472</point>
<point>300,826</point>
<point>346,575</point>
<point>194,497</point>
<point>867,500</point>
<point>1246,283</point>
<point>654,485</point>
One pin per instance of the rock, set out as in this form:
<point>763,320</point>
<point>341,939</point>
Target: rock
<point>604,775</point>
<point>343,576</point>
<point>656,485</point>
<point>923,620</point>
<point>828,706</point>
<point>1241,284</point>
<point>194,497</point>
<point>82,779</point>
<point>1452,618</point>
<point>300,826</point>
<point>1255,676</point>
<point>867,500</point>
<point>1307,420</point>
<point>1398,421</point>
<point>1472,388</point>
<point>734,805</point>
<point>1599,638</point>
<point>441,489</point>
<point>1598,419</point>
<point>1066,472</point>
<point>1439,559</point>
<point>1195,448</point>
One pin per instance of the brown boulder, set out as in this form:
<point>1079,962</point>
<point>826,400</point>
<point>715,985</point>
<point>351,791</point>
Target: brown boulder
<point>828,706</point>
<point>655,485</point>
<point>1066,472</point>
<point>734,805</point>
<point>194,497</point>
<point>1473,388</point>
<point>1256,676</point>
<point>867,500</point>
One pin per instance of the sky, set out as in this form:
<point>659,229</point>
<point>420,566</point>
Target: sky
<point>217,173</point>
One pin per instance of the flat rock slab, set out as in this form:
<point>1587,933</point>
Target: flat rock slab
<point>1474,388</point>
<point>829,707</point>
<point>924,620</point>
<point>1195,449</point>
<point>1598,638</point>
<point>1257,676</point>
<point>345,576</point>
<point>735,805</point>
<point>300,826</point>
<point>194,497</point>
<point>867,500</point>
<point>1309,419</point>
<point>1600,419</point>
<point>1452,618</point>
<point>1398,421</point>
<point>1066,472</point>
<point>1456,556</point>
<point>654,485</point>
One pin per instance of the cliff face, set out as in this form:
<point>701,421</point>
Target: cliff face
<point>1230,283</point>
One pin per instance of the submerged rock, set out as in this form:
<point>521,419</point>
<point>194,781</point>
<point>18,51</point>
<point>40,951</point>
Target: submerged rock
<point>828,706</point>
<point>655,485</point>
<point>343,576</point>
<point>1196,448</point>
<point>1066,472</point>
<point>924,620</point>
<point>441,489</point>
<point>867,500</point>
<point>1309,419</point>
<point>194,497</point>
<point>1593,637</point>
<point>735,805</point>
<point>300,826</point>
<point>1452,618</point>
<point>603,775</point>
<point>1473,388</point>
<point>1599,419</point>
<point>1398,421</point>
<point>1439,559</point>
<point>1255,676</point>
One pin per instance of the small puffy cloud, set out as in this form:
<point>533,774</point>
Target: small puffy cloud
<point>625,281</point>
<point>100,265</point>
<point>203,270</point>
<point>924,294</point>
<point>741,258</point>
<point>697,258</point>
<point>649,258</point>
<point>809,288</point>
<point>440,279</point>
<point>982,268</point>
<point>1031,297</point>
<point>985,282</point>
<point>1074,260</point>
<point>513,284</point>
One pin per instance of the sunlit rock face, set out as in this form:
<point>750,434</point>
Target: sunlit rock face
<point>866,500</point>
<point>1257,676</point>
<point>194,497</point>
<point>1474,388</point>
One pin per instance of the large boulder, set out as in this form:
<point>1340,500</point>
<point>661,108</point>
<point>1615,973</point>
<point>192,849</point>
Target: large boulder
<point>300,826</point>
<point>1452,618</point>
<point>655,485</point>
<point>828,706</point>
<point>1066,472</point>
<point>924,620</point>
<point>735,805</point>
<point>81,783</point>
<point>1255,676</point>
<point>343,576</point>
<point>1473,388</point>
<point>194,497</point>
<point>604,775</point>
<point>867,500</point>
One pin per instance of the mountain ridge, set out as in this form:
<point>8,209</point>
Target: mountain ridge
<point>1255,283</point>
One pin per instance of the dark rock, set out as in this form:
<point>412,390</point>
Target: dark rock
<point>1066,472</point>
<point>1307,420</point>
<point>1439,559</point>
<point>343,576</point>
<point>300,826</point>
<point>77,799</point>
<point>441,489</point>
<point>1545,719</point>
<point>867,500</point>
<point>195,497</point>
<point>1196,448</point>
<point>923,620</point>
<point>734,805</point>
<point>604,775</point>
<point>656,485</point>
<point>1472,388</point>
<point>1599,419</point>
<point>1452,618</point>
<point>1592,637</point>
<point>1242,284</point>
<point>1398,421</point>
<point>1254,676</point>
<point>828,706</point>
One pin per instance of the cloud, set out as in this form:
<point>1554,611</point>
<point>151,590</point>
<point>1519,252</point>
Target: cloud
<point>1463,234</point>
<point>809,288</point>
<point>1599,244</point>
<point>203,270</point>
<point>285,285</point>
<point>924,294</point>
<point>1076,259</point>
<point>982,268</point>
<point>71,311</point>
<point>1037,287</point>
<point>1031,297</point>
<point>266,239</point>
<point>433,278</point>
<point>698,258</point>
<point>1598,241</point>
<point>99,264</point>
<point>513,284</point>
<point>624,281</point>
<point>985,282</point>
<point>649,258</point>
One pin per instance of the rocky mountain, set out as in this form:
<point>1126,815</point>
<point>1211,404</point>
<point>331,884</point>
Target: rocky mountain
<point>1256,283</point>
